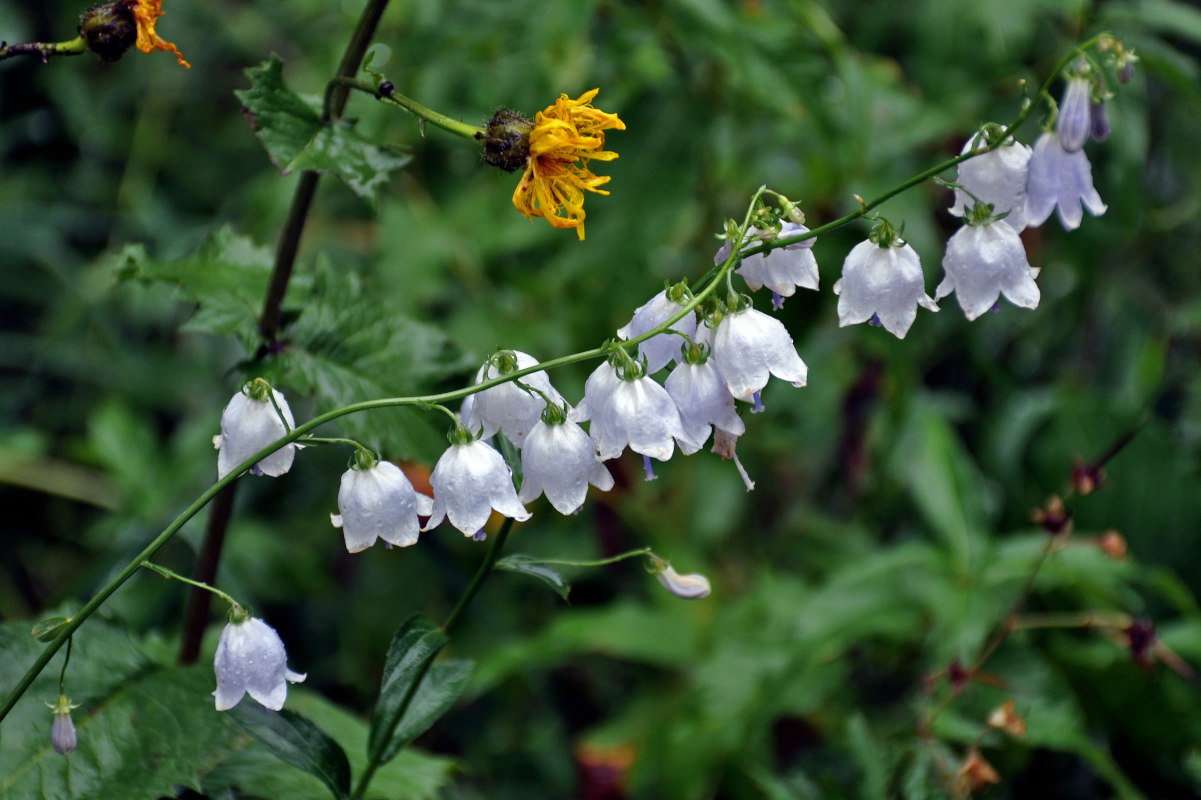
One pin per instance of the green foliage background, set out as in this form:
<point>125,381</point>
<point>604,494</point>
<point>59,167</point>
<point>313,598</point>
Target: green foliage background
<point>889,532</point>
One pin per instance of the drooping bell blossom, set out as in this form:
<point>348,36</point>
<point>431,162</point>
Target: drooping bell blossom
<point>376,501</point>
<point>782,270</point>
<point>1059,181</point>
<point>692,586</point>
<point>997,178</point>
<point>750,346</point>
<point>62,729</point>
<point>982,262</point>
<point>469,480</point>
<point>251,659</point>
<point>884,283</point>
<point>1074,121</point>
<point>249,423</point>
<point>600,384</point>
<point>559,459</point>
<point>702,397</point>
<point>507,407</point>
<point>660,350</point>
<point>641,415</point>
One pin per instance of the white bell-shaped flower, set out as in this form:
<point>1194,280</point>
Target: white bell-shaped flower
<point>782,270</point>
<point>508,408</point>
<point>1060,181</point>
<point>469,480</point>
<point>703,398</point>
<point>559,459</point>
<point>249,423</point>
<point>661,349</point>
<point>749,346</point>
<point>884,283</point>
<point>600,384</point>
<point>251,659</point>
<point>641,415</point>
<point>376,501</point>
<point>984,261</point>
<point>997,177</point>
<point>1075,120</point>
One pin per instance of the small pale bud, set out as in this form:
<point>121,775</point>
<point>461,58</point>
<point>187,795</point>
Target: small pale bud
<point>1005,718</point>
<point>689,587</point>
<point>62,731</point>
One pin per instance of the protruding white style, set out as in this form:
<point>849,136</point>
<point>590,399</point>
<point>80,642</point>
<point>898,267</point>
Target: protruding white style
<point>507,407</point>
<point>247,426</point>
<point>641,415</point>
<point>782,270</point>
<point>560,461</point>
<point>1060,181</point>
<point>882,282</point>
<point>749,346</point>
<point>600,384</point>
<point>724,444</point>
<point>379,503</point>
<point>983,262</point>
<point>1074,121</point>
<point>997,177</point>
<point>693,586</point>
<point>469,481</point>
<point>659,351</point>
<point>251,659</point>
<point>703,400</point>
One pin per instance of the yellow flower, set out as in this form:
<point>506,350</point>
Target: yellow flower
<point>565,137</point>
<point>145,12</point>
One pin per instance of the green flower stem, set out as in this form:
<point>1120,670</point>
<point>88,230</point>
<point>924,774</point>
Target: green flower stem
<point>413,107</point>
<point>481,574</point>
<point>556,562</point>
<point>172,574</point>
<point>75,47</point>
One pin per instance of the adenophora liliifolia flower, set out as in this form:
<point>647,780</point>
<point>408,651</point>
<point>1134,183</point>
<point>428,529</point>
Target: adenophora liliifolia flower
<point>469,480</point>
<point>1060,181</point>
<point>749,346</point>
<point>1074,121</point>
<point>376,501</point>
<point>997,177</point>
<point>882,280</point>
<point>251,659</point>
<point>640,414</point>
<point>658,351</point>
<point>600,384</point>
<point>702,396</point>
<point>508,407</point>
<point>62,730</point>
<point>559,458</point>
<point>985,259</point>
<point>250,422</point>
<point>782,270</point>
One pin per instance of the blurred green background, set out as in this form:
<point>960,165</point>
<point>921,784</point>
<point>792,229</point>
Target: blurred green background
<point>890,528</point>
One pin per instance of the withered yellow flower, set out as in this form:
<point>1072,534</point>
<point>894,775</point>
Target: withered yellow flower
<point>145,12</point>
<point>565,138</point>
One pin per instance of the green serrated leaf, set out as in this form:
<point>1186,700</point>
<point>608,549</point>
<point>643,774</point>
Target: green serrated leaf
<point>291,129</point>
<point>414,645</point>
<point>345,346</point>
<point>528,565</point>
<point>226,276</point>
<point>438,691</point>
<point>295,740</point>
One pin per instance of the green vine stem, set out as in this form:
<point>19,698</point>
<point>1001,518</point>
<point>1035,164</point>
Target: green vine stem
<point>426,401</point>
<point>75,47</point>
<point>387,93</point>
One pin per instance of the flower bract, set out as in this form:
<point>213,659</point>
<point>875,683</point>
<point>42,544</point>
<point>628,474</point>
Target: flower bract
<point>560,461</point>
<point>566,136</point>
<point>145,14</point>
<point>469,481</point>
<point>1060,181</point>
<point>983,262</point>
<point>749,346</point>
<point>247,426</point>
<point>251,659</point>
<point>882,282</point>
<point>379,503</point>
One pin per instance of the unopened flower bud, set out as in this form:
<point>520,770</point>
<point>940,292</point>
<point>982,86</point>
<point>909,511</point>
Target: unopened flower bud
<point>1098,117</point>
<point>1086,478</point>
<point>1073,123</point>
<point>1126,72</point>
<point>1005,718</point>
<point>1113,544</point>
<point>507,140</point>
<point>109,29</point>
<point>689,587</point>
<point>1054,517</point>
<point>62,731</point>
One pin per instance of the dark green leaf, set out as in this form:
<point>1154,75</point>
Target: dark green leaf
<point>346,347</point>
<point>295,740</point>
<point>438,691</point>
<point>414,645</point>
<point>528,565</point>
<point>291,129</point>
